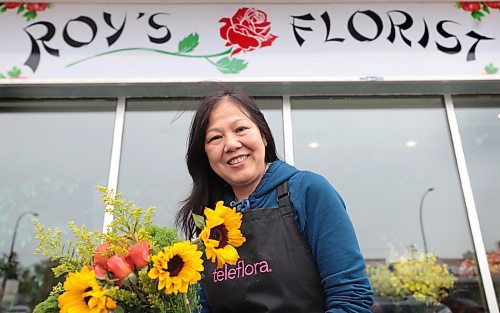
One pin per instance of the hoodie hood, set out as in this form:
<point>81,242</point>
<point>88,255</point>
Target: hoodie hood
<point>277,173</point>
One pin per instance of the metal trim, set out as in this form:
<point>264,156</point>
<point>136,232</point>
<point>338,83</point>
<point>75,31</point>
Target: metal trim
<point>114,166</point>
<point>288,130</point>
<point>470,205</point>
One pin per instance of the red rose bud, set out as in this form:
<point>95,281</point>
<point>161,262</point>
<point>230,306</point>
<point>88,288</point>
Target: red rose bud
<point>120,266</point>
<point>139,253</point>
<point>101,255</point>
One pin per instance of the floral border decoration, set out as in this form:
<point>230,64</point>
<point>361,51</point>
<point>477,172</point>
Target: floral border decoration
<point>29,10</point>
<point>248,30</point>
<point>478,9</point>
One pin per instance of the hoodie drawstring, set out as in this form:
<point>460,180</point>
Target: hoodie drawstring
<point>241,206</point>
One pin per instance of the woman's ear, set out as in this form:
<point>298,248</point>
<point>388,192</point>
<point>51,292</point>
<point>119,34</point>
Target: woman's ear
<point>265,141</point>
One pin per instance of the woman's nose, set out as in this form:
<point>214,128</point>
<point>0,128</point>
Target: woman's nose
<point>232,143</point>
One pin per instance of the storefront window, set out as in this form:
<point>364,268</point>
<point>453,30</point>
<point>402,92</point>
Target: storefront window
<point>153,169</point>
<point>53,154</point>
<point>479,123</point>
<point>392,161</point>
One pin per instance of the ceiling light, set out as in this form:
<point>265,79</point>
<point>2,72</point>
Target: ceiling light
<point>411,144</point>
<point>314,145</point>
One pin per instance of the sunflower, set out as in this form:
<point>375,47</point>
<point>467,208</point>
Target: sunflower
<point>222,234</point>
<point>177,266</point>
<point>83,294</point>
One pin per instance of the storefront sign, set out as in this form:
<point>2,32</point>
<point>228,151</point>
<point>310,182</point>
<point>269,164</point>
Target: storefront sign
<point>215,41</point>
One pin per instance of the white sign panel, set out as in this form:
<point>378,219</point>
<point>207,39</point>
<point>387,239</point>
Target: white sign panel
<point>261,41</point>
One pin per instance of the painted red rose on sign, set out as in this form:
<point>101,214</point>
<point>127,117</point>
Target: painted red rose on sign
<point>12,5</point>
<point>247,30</point>
<point>471,6</point>
<point>36,7</point>
<point>493,4</point>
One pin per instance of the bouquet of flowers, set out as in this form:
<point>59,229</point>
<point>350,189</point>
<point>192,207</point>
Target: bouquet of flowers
<point>135,266</point>
<point>420,277</point>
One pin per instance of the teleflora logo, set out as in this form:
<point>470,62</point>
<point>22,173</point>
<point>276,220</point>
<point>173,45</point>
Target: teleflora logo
<point>241,270</point>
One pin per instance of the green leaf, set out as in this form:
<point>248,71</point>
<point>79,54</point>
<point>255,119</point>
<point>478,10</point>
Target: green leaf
<point>187,44</point>
<point>20,8</point>
<point>14,72</point>
<point>231,66</point>
<point>3,9</point>
<point>29,15</point>
<point>485,8</point>
<point>199,221</point>
<point>2,76</point>
<point>491,69</point>
<point>477,15</point>
<point>119,309</point>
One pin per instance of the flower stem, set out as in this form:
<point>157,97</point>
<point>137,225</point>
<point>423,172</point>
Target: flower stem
<point>153,50</point>
<point>186,303</point>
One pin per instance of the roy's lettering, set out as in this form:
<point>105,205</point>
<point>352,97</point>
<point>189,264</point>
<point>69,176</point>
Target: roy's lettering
<point>41,33</point>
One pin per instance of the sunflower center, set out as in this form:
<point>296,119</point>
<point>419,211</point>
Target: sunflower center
<point>174,265</point>
<point>87,298</point>
<point>219,233</point>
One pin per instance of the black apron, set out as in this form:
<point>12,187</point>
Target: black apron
<point>276,271</point>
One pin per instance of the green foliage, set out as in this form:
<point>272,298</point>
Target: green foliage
<point>71,256</point>
<point>129,221</point>
<point>163,236</point>
<point>50,305</point>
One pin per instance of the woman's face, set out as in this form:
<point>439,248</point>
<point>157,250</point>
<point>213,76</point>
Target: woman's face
<point>235,148</point>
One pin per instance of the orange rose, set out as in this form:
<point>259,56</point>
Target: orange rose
<point>120,266</point>
<point>102,254</point>
<point>139,253</point>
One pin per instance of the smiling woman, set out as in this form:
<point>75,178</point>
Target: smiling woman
<point>294,222</point>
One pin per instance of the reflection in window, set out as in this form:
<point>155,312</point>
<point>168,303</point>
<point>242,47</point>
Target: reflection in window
<point>53,154</point>
<point>479,124</point>
<point>153,168</point>
<point>392,161</point>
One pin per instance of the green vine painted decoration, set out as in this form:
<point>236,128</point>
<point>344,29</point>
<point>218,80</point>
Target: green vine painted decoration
<point>246,31</point>
<point>28,10</point>
<point>14,72</point>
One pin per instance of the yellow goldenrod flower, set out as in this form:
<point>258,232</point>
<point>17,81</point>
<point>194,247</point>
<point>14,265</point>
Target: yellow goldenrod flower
<point>176,267</point>
<point>222,234</point>
<point>83,294</point>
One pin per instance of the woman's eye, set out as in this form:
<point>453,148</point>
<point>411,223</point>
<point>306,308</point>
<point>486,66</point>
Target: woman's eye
<point>213,138</point>
<point>240,129</point>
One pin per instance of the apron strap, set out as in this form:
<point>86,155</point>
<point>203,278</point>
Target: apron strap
<point>283,196</point>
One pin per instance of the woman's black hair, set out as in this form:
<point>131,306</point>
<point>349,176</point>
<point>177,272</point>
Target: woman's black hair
<point>208,187</point>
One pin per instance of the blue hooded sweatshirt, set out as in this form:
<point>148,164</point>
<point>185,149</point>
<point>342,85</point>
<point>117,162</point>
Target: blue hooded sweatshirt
<point>323,221</point>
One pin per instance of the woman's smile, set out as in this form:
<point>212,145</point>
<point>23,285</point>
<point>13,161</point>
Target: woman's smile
<point>238,160</point>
